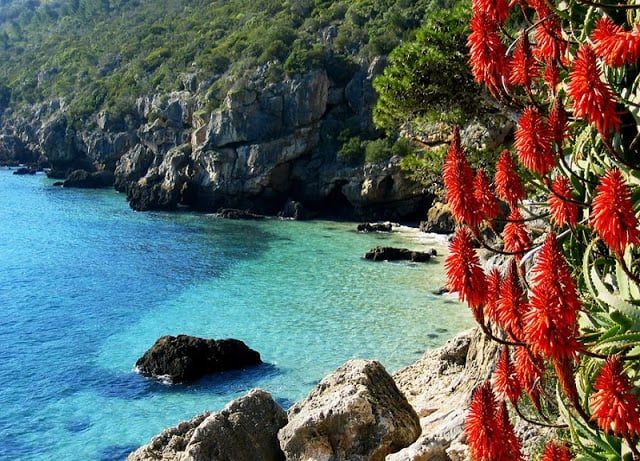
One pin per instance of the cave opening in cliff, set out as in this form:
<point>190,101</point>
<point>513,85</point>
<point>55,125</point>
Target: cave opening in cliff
<point>336,203</point>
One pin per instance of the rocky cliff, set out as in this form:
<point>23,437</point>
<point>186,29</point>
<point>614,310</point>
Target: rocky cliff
<point>268,144</point>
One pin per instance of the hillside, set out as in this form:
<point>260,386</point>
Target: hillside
<point>261,105</point>
<point>104,54</point>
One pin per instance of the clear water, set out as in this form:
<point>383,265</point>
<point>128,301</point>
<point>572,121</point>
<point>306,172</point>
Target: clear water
<point>87,285</point>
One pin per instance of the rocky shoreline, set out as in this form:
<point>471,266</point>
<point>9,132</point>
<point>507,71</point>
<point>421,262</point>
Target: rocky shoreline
<point>359,412</point>
<point>266,146</point>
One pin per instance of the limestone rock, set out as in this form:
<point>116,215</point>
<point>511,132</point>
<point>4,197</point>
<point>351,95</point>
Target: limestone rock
<point>132,166</point>
<point>439,220</point>
<point>164,186</point>
<point>82,179</point>
<point>439,386</point>
<point>245,430</point>
<point>186,358</point>
<point>356,413</point>
<point>14,150</point>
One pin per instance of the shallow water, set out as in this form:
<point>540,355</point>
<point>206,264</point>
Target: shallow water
<point>87,285</point>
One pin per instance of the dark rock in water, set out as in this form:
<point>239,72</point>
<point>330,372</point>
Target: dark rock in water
<point>58,184</point>
<point>232,213</point>
<point>245,430</point>
<point>439,220</point>
<point>293,210</point>
<point>25,171</point>
<point>397,254</point>
<point>375,227</point>
<point>440,291</point>
<point>186,358</point>
<point>82,179</point>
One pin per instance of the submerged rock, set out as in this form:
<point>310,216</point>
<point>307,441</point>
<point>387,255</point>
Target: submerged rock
<point>245,430</point>
<point>186,358</point>
<point>375,227</point>
<point>398,254</point>
<point>356,413</point>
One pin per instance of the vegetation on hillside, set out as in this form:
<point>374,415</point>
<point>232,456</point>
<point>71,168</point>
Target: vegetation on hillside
<point>428,77</point>
<point>428,81</point>
<point>103,54</point>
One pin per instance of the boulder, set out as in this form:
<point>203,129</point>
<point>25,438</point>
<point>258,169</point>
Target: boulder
<point>439,220</point>
<point>82,179</point>
<point>356,413</point>
<point>231,213</point>
<point>375,227</point>
<point>186,358</point>
<point>245,430</point>
<point>398,254</point>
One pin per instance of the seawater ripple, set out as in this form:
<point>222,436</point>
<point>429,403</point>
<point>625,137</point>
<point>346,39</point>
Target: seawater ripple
<point>87,285</point>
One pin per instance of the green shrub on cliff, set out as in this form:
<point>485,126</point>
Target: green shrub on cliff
<point>429,76</point>
<point>102,55</point>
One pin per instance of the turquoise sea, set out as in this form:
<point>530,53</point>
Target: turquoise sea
<point>87,285</point>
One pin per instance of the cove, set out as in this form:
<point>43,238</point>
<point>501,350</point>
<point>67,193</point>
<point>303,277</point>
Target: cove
<point>87,285</point>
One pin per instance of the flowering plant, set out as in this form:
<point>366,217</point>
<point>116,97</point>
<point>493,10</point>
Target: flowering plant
<point>566,307</point>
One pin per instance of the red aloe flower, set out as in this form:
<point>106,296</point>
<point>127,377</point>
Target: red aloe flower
<point>563,211</point>
<point>515,236</point>
<point>530,370</point>
<point>487,200</point>
<point>511,447</point>
<point>614,406</point>
<point>511,302</point>
<point>612,215</point>
<point>494,282</point>
<point>505,378</point>
<point>558,120</point>
<point>482,427</point>
<point>487,53</point>
<point>549,42</point>
<point>523,68</point>
<point>496,10</point>
<point>508,185</point>
<point>555,451</point>
<point>533,142</point>
<point>458,182</point>
<point>550,324</point>
<point>464,273</point>
<point>593,99</point>
<point>614,45</point>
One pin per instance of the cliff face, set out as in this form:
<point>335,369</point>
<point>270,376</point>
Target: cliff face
<point>269,144</point>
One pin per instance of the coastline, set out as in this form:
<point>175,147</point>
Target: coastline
<point>437,386</point>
